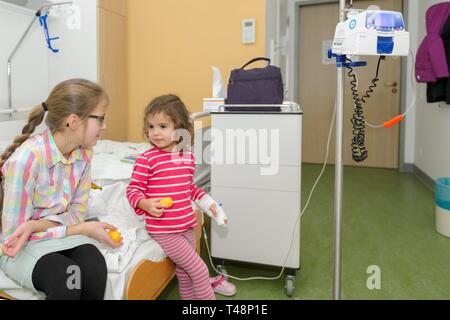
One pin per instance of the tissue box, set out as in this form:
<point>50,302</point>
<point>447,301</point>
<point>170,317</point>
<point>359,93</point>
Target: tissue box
<point>212,104</point>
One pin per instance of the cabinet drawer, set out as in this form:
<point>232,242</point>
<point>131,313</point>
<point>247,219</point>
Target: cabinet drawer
<point>251,177</point>
<point>256,138</point>
<point>258,231</point>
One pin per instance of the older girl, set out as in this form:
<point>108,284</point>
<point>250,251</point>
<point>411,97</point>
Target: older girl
<point>45,182</point>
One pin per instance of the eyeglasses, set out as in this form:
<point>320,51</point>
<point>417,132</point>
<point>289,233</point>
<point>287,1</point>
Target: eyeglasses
<point>101,119</point>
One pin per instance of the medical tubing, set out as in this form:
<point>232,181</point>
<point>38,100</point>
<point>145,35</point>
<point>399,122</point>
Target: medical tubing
<point>401,117</point>
<point>359,150</point>
<point>205,237</point>
<point>374,82</point>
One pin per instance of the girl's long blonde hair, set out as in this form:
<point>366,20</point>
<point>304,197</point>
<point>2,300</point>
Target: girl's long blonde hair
<point>75,96</point>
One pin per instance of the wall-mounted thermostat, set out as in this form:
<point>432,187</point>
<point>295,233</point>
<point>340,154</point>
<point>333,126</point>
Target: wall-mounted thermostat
<point>248,31</point>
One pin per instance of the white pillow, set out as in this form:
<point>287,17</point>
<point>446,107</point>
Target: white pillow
<point>108,164</point>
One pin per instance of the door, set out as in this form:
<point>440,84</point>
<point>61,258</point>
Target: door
<point>317,91</point>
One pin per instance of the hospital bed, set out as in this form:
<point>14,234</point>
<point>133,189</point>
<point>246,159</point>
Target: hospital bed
<point>140,270</point>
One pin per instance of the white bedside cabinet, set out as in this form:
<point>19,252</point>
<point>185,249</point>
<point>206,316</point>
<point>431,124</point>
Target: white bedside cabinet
<point>256,176</point>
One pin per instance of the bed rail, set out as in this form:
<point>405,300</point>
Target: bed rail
<point>198,115</point>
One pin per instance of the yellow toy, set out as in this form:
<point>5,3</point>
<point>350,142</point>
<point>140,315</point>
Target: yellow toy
<point>95,187</point>
<point>115,235</point>
<point>166,202</point>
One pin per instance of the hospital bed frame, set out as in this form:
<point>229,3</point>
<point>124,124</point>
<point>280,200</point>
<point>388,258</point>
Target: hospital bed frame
<point>148,278</point>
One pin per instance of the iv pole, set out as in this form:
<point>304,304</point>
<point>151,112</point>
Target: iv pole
<point>341,64</point>
<point>338,172</point>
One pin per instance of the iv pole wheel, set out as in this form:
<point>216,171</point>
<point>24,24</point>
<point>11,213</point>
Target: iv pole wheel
<point>290,286</point>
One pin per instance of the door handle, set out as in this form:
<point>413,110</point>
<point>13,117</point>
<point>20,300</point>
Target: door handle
<point>391,84</point>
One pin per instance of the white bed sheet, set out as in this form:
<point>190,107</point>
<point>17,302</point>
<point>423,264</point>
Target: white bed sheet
<point>117,282</point>
<point>111,205</point>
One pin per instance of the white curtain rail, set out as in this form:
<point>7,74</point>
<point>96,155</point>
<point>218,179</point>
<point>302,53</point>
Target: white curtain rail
<point>15,110</point>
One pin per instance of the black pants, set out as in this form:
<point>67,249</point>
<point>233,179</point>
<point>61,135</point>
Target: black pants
<point>76,274</point>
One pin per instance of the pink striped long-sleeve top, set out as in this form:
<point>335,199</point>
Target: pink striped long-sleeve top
<point>159,174</point>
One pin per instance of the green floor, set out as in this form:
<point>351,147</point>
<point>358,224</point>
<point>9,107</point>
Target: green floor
<point>388,221</point>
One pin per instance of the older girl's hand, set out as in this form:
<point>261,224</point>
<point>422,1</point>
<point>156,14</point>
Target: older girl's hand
<point>98,231</point>
<point>13,244</point>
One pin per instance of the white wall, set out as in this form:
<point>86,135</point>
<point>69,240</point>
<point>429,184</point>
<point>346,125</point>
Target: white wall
<point>36,70</point>
<point>30,64</point>
<point>432,146</point>
<point>78,55</point>
<point>410,119</point>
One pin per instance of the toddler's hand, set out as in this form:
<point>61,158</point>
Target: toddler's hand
<point>213,210</point>
<point>154,207</point>
<point>218,214</point>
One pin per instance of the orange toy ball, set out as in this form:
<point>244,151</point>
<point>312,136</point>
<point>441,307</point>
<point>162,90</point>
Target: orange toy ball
<point>167,202</point>
<point>115,235</point>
